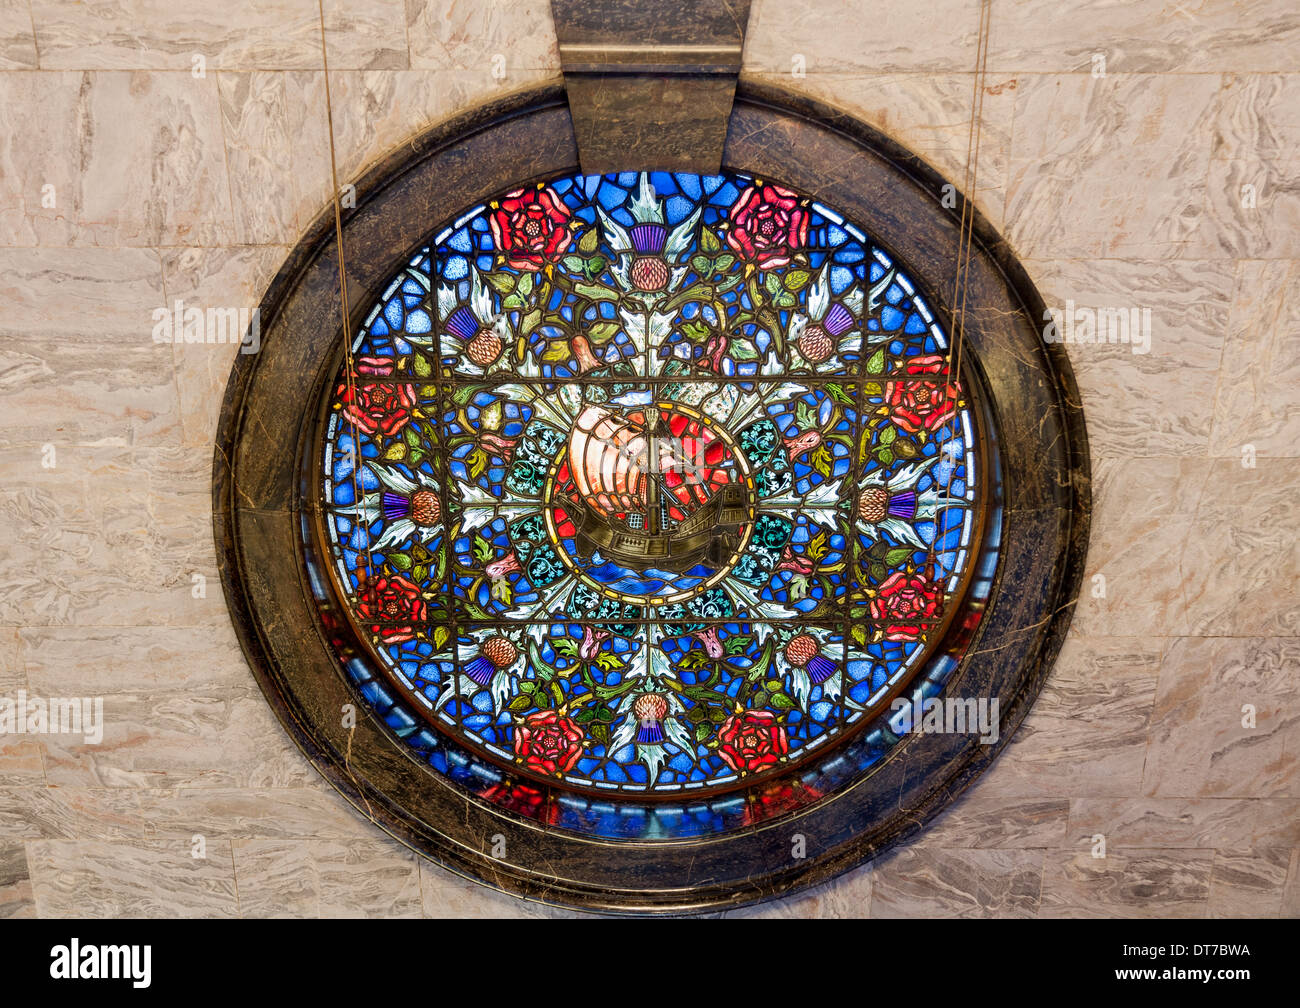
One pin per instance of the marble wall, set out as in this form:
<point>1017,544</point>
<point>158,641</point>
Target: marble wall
<point>152,151</point>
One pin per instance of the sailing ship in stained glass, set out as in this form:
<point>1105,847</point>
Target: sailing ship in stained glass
<point>649,483</point>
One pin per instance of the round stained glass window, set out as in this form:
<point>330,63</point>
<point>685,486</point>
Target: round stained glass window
<point>649,483</point>
<point>650,541</point>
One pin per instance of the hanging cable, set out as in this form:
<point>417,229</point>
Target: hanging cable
<point>965,240</point>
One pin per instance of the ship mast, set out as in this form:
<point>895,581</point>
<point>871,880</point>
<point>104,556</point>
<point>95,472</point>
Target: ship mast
<point>653,423</point>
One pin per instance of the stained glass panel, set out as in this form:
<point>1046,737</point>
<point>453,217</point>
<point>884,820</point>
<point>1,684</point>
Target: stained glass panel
<point>649,484</point>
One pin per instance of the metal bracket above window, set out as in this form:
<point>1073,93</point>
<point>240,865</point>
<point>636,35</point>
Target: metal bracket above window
<point>650,85</point>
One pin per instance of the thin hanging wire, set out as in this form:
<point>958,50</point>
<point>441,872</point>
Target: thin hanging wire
<point>349,364</point>
<point>965,239</point>
<point>349,369</point>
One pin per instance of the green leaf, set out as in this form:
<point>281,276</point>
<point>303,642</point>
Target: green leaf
<point>595,265</point>
<point>838,393</point>
<point>520,703</point>
<point>885,456</point>
<point>817,548</point>
<point>873,389</point>
<point>602,331</point>
<point>695,330</point>
<point>421,366</point>
<point>822,461</point>
<point>502,283</point>
<point>399,560</point>
<point>904,449</point>
<point>740,350</point>
<point>589,241</point>
<point>709,241</point>
<point>440,636</point>
<point>557,692</point>
<point>596,292</point>
<point>575,264</point>
<point>887,435</point>
<point>525,286</point>
<point>566,647</point>
<point>411,436</point>
<point>482,549</point>
<point>898,556</point>
<point>780,701</point>
<point>702,265</point>
<point>419,573</point>
<point>703,731</point>
<point>797,279</point>
<point>876,362</point>
<point>396,452</point>
<point>878,572</point>
<point>512,301</point>
<point>476,462</point>
<point>724,262</point>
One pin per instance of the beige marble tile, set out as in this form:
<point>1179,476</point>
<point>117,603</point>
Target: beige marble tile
<point>311,810</point>
<point>936,37</point>
<point>259,156</point>
<point>1194,36</point>
<point>235,277</point>
<point>1199,745</point>
<point>988,818</point>
<point>1079,147</point>
<point>17,38</point>
<point>1256,403</point>
<point>1241,562</point>
<point>1145,883</point>
<point>1086,733</point>
<point>179,710</point>
<point>326,878</point>
<point>96,879</point>
<point>94,546</point>
<point>1147,392</point>
<point>1185,822</point>
<point>168,34</point>
<point>135,158</point>
<point>930,115</point>
<point>1253,210</point>
<point>374,112</point>
<point>514,38</point>
<point>1248,883</point>
<point>1141,510</point>
<point>1291,891</point>
<point>16,899</point>
<point>366,34</point>
<point>928,882</point>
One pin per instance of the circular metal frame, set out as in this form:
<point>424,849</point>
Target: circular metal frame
<point>857,803</point>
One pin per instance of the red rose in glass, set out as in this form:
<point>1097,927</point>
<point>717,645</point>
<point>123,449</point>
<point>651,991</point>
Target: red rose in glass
<point>767,225</point>
<point>381,409</point>
<point>752,739</point>
<point>905,597</point>
<point>531,227</point>
<point>395,600</point>
<point>921,405</point>
<point>548,741</point>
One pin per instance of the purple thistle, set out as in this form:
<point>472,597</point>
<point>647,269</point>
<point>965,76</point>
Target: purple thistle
<point>481,670</point>
<point>649,239</point>
<point>463,323</point>
<point>838,320</point>
<point>650,732</point>
<point>903,505</point>
<point>820,668</point>
<point>396,506</point>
